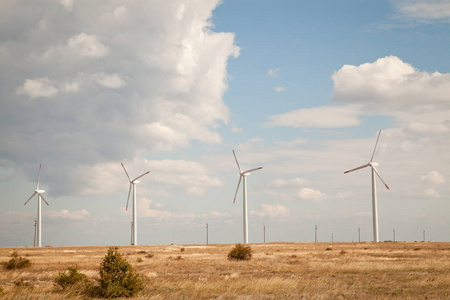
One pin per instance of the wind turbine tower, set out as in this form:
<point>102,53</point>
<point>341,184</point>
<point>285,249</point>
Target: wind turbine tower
<point>372,165</point>
<point>39,216</point>
<point>133,183</point>
<point>242,176</point>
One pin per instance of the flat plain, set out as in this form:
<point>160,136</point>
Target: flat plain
<point>387,270</point>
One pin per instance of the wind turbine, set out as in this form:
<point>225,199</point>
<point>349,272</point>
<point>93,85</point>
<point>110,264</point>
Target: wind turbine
<point>242,176</point>
<point>39,193</point>
<point>133,187</point>
<point>372,165</point>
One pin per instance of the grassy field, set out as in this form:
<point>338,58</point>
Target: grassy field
<point>277,271</point>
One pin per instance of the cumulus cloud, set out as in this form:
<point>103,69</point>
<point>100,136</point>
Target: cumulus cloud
<point>144,207</point>
<point>132,79</point>
<point>433,178</point>
<point>112,81</point>
<point>64,214</point>
<point>279,89</point>
<point>87,45</point>
<point>291,183</point>
<point>311,194</point>
<point>389,84</point>
<point>38,87</point>
<point>318,117</point>
<point>272,211</point>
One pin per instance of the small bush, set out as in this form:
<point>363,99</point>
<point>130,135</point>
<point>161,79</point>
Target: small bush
<point>139,260</point>
<point>240,252</point>
<point>72,278</point>
<point>182,249</point>
<point>117,277</point>
<point>17,262</point>
<point>149,255</point>
<point>23,284</point>
<point>329,249</point>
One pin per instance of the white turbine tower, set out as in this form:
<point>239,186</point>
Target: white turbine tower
<point>372,165</point>
<point>242,176</point>
<point>133,187</point>
<point>39,193</point>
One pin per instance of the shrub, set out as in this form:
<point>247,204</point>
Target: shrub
<point>23,284</point>
<point>149,255</point>
<point>17,262</point>
<point>71,278</point>
<point>240,252</point>
<point>117,277</point>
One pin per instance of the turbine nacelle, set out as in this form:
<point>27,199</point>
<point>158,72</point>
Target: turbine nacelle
<point>40,191</point>
<point>374,164</point>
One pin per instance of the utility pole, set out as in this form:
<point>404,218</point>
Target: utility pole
<point>393,231</point>
<point>332,240</point>
<point>359,235</point>
<point>315,234</point>
<point>35,224</point>
<point>264,229</point>
<point>207,241</point>
<point>424,235</point>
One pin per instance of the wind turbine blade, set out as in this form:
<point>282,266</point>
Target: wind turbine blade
<point>235,194</point>
<point>375,148</point>
<point>126,172</point>
<point>43,199</point>
<point>140,176</point>
<point>251,170</point>
<point>362,167</point>
<point>128,199</point>
<point>239,167</point>
<point>30,198</point>
<point>379,176</point>
<point>39,175</point>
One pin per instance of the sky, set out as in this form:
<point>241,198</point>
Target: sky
<point>300,88</point>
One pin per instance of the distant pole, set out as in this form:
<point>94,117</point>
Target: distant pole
<point>264,229</point>
<point>393,231</point>
<point>315,234</point>
<point>207,242</point>
<point>332,238</point>
<point>359,235</point>
<point>34,243</point>
<point>424,235</point>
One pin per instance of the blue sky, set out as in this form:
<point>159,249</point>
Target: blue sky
<point>300,88</point>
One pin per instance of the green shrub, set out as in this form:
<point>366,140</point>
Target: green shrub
<point>240,252</point>
<point>117,277</point>
<point>69,278</point>
<point>17,262</point>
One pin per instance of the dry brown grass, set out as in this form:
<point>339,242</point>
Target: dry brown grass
<point>277,271</point>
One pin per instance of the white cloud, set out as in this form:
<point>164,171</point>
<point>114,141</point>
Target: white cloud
<point>71,87</point>
<point>38,87</point>
<point>425,10</point>
<point>272,211</point>
<point>145,210</point>
<point>273,72</point>
<point>318,117</point>
<point>389,85</point>
<point>311,194</point>
<point>433,178</point>
<point>291,183</point>
<point>279,89</point>
<point>87,45</point>
<point>68,4</point>
<point>112,81</point>
<point>64,214</point>
<point>164,68</point>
